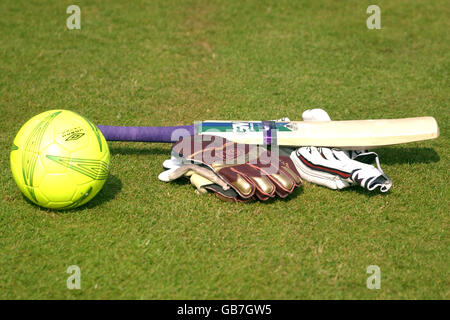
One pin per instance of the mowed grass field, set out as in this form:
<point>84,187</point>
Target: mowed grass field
<point>174,62</point>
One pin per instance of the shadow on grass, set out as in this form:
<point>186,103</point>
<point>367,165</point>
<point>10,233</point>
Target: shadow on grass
<point>183,182</point>
<point>407,155</point>
<point>297,192</point>
<point>364,192</point>
<point>388,155</point>
<point>112,187</point>
<point>147,150</point>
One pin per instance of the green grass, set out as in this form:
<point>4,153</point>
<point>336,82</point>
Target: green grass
<point>173,62</point>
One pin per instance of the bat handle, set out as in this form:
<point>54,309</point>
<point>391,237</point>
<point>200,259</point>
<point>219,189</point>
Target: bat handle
<point>145,134</point>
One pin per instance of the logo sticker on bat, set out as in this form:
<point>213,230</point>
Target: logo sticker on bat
<point>241,126</point>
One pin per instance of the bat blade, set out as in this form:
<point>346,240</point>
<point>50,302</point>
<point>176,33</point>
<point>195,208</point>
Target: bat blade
<point>348,134</point>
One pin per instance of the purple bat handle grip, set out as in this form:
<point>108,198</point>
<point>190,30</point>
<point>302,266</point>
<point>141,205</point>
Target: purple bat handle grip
<point>146,134</point>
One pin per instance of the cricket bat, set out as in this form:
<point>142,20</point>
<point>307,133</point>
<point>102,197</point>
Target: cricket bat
<point>348,134</point>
